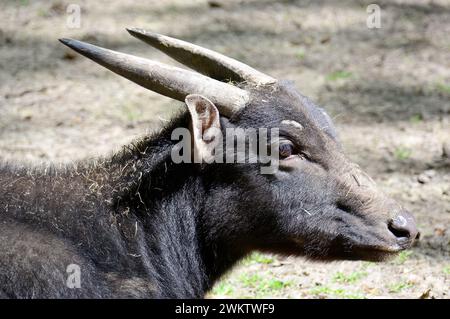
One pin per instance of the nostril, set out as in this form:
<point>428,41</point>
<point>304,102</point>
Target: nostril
<point>398,232</point>
<point>402,226</point>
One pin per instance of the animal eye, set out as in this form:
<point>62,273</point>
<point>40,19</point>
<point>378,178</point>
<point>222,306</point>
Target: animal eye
<point>286,149</point>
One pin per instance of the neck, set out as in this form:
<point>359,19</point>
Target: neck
<point>138,216</point>
<point>186,249</point>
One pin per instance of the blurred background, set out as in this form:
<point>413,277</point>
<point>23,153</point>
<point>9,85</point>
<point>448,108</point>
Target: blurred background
<point>387,89</point>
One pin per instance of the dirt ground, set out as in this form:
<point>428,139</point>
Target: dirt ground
<point>387,89</point>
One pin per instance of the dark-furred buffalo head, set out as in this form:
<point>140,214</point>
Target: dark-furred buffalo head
<point>314,202</point>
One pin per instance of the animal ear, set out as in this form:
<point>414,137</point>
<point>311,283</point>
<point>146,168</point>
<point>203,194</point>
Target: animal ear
<point>205,127</point>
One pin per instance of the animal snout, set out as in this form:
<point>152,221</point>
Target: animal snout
<point>403,226</point>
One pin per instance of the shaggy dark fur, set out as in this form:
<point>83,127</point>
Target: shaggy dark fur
<point>139,225</point>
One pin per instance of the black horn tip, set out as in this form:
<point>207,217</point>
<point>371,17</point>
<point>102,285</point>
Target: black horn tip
<point>73,44</point>
<point>65,41</point>
<point>93,52</point>
<point>135,31</point>
<point>141,33</point>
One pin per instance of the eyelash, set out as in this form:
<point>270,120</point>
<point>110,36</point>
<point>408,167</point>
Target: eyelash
<point>295,150</point>
<point>288,148</point>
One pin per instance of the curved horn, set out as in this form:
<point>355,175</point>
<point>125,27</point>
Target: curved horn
<point>170,81</point>
<point>205,61</point>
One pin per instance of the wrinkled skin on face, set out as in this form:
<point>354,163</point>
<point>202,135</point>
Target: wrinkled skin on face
<point>317,203</point>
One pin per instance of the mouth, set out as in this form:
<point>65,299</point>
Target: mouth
<point>374,250</point>
<point>378,244</point>
<point>393,249</point>
<point>379,252</point>
<point>353,251</point>
<point>357,243</point>
<point>373,255</point>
